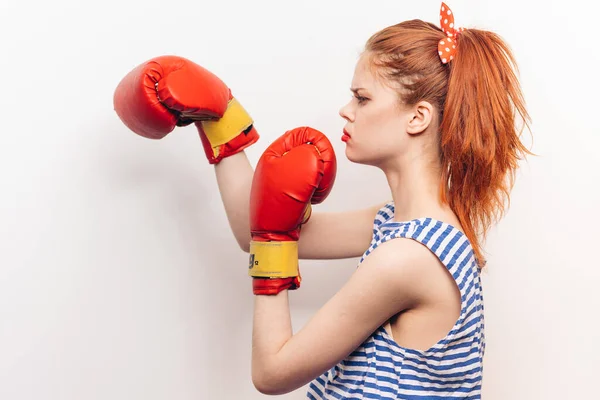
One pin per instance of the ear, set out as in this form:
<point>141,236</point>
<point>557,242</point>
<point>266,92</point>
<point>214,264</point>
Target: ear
<point>420,118</point>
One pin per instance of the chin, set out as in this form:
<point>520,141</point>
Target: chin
<point>358,158</point>
<point>351,155</point>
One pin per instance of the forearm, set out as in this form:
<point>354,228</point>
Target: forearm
<point>272,328</point>
<point>234,177</point>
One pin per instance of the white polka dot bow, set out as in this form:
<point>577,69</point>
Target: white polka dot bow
<point>447,46</point>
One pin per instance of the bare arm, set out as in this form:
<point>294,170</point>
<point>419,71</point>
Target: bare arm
<point>331,235</point>
<point>392,279</point>
<point>234,177</point>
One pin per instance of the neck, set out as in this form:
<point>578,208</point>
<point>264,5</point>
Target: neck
<point>415,189</point>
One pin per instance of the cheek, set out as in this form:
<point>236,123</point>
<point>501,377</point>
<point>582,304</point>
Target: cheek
<point>378,135</point>
<point>378,122</point>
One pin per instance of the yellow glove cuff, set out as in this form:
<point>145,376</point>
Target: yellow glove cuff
<point>235,120</point>
<point>273,259</point>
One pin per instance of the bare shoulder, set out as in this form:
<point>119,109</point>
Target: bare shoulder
<point>405,252</point>
<point>407,265</point>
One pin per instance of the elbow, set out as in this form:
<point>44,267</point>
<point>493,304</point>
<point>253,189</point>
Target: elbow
<point>269,387</point>
<point>265,388</point>
<point>269,383</point>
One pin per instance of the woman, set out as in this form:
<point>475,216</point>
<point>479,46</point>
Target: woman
<point>435,109</point>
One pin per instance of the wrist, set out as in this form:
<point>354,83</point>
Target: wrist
<point>228,135</point>
<point>273,266</point>
<point>274,259</point>
<point>232,123</point>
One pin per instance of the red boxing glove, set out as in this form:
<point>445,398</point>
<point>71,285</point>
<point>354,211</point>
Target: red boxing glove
<point>296,170</point>
<point>170,91</point>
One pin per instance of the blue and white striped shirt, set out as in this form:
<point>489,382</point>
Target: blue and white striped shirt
<point>450,369</point>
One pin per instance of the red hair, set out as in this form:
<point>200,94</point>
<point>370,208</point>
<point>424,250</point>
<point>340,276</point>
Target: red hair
<point>478,98</point>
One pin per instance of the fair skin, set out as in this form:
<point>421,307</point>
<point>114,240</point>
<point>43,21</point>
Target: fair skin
<point>352,228</point>
<point>400,282</point>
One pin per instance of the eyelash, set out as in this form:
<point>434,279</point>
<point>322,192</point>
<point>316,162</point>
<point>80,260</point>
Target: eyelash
<point>361,99</point>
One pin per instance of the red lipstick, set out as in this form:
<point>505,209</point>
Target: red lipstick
<point>345,136</point>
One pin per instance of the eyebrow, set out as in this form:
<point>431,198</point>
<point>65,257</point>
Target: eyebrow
<point>355,90</point>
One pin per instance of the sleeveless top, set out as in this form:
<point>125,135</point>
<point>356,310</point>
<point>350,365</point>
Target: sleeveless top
<point>452,368</point>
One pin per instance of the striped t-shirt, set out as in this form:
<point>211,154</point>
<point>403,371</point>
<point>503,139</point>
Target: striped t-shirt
<point>450,369</point>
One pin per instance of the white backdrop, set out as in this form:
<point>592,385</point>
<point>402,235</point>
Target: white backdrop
<point>119,276</point>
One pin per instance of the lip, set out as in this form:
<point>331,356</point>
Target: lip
<point>346,136</point>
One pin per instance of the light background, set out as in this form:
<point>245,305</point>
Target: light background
<point>119,276</point>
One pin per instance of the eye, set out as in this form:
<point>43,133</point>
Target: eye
<point>361,99</point>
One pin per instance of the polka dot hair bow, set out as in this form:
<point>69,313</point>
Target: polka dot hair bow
<point>447,46</point>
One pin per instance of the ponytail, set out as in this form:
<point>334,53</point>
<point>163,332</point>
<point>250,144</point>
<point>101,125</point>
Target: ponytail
<point>480,143</point>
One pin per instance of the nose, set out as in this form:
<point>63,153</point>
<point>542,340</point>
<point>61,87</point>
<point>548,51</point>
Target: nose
<point>345,112</point>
